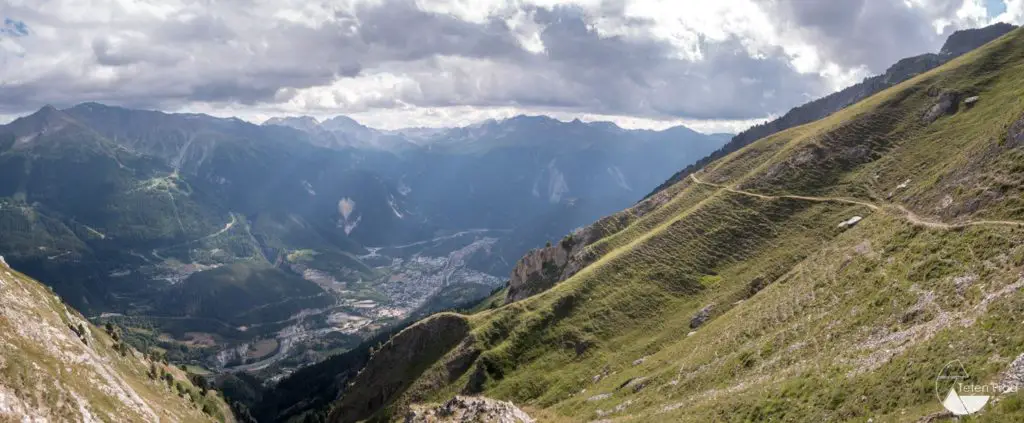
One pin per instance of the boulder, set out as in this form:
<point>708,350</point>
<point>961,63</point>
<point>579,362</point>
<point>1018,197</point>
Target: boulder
<point>701,317</point>
<point>850,222</point>
<point>971,101</point>
<point>945,105</point>
<point>466,409</point>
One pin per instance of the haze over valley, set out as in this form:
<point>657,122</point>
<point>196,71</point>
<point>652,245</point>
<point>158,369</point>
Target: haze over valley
<point>224,241</point>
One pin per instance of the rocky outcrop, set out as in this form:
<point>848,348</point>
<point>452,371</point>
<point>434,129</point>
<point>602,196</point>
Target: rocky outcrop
<point>945,105</point>
<point>539,270</point>
<point>1012,379</point>
<point>398,364</point>
<point>542,268</point>
<point>1015,136</point>
<point>702,316</point>
<point>463,409</point>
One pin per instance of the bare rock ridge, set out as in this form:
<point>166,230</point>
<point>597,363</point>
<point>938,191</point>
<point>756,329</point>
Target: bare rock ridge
<point>542,268</point>
<point>957,44</point>
<point>1015,136</point>
<point>464,409</point>
<point>961,42</point>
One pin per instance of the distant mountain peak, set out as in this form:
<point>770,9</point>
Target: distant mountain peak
<point>965,40</point>
<point>531,119</point>
<point>342,123</point>
<point>302,123</point>
<point>47,117</point>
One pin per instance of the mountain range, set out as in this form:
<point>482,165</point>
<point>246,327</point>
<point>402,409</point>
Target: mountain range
<point>267,246</point>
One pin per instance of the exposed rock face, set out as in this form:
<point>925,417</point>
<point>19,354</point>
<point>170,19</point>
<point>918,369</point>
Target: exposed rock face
<point>542,268</point>
<point>702,316</point>
<point>1013,378</point>
<point>462,409</point>
<point>945,105</point>
<point>1015,137</point>
<point>398,363</point>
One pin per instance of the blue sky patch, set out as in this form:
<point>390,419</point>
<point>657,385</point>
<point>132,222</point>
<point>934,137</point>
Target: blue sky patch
<point>995,7</point>
<point>14,28</point>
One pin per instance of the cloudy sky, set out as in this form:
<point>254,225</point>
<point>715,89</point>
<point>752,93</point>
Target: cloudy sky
<point>713,65</point>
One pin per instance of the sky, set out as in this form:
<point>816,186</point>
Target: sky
<point>715,66</point>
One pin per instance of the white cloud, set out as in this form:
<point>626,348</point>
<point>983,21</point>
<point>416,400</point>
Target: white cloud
<point>1014,13</point>
<point>442,62</point>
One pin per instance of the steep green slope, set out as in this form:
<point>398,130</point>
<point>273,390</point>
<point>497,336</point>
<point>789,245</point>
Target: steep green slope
<point>55,366</point>
<point>958,43</point>
<point>829,272</point>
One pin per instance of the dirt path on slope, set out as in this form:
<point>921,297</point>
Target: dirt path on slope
<point>904,212</point>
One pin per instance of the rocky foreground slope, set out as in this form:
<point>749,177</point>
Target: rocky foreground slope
<point>55,366</point>
<point>834,271</point>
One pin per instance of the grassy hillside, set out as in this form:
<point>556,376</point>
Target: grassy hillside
<point>958,43</point>
<point>745,297</point>
<point>55,366</point>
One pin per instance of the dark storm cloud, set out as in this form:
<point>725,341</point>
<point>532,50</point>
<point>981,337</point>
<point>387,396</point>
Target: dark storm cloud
<point>620,75</point>
<point>873,33</point>
<point>235,52</point>
<point>400,31</point>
